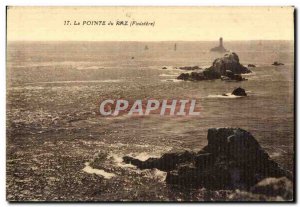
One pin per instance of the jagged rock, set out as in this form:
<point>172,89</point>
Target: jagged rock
<point>226,68</point>
<point>231,62</point>
<point>167,162</point>
<point>277,63</point>
<point>232,159</point>
<point>204,159</point>
<point>164,68</point>
<point>198,76</point>
<point>239,92</point>
<point>184,76</point>
<point>251,65</point>
<point>194,76</point>
<point>211,74</point>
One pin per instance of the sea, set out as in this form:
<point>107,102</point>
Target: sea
<point>60,148</point>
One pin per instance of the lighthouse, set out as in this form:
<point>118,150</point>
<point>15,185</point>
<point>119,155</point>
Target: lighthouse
<point>219,48</point>
<point>221,42</point>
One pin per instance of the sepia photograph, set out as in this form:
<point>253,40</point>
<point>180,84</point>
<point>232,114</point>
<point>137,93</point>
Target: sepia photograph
<point>150,104</point>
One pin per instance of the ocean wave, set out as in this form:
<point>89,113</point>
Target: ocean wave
<point>155,174</point>
<point>118,160</point>
<point>168,75</point>
<point>143,156</point>
<point>172,80</point>
<point>249,74</point>
<point>26,88</point>
<point>90,170</point>
<point>83,81</point>
<point>228,95</point>
<point>275,154</point>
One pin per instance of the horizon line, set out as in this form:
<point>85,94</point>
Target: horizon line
<point>147,40</point>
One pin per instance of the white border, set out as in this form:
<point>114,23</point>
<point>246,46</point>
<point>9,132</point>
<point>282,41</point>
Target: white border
<point>3,3</point>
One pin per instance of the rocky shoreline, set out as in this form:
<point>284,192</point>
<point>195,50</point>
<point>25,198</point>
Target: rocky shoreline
<point>232,160</point>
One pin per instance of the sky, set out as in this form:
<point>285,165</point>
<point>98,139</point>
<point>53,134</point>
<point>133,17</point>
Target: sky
<point>171,23</point>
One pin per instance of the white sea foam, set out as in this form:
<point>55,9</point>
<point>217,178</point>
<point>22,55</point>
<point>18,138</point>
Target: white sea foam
<point>228,95</point>
<point>249,74</point>
<point>275,154</point>
<point>118,160</point>
<point>90,170</point>
<point>87,81</point>
<point>145,156</point>
<point>155,174</point>
<point>168,75</point>
<point>161,175</point>
<point>172,80</point>
<point>27,88</point>
<point>150,173</point>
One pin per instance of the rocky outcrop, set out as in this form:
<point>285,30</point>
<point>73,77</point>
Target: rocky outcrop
<point>277,63</point>
<point>251,66</point>
<point>226,68</point>
<point>198,76</point>
<point>232,159</point>
<point>211,74</point>
<point>239,92</point>
<point>229,62</point>
<point>164,68</point>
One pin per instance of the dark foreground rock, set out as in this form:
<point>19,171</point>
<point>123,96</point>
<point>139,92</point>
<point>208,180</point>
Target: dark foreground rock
<point>239,92</point>
<point>232,159</point>
<point>277,63</point>
<point>226,68</point>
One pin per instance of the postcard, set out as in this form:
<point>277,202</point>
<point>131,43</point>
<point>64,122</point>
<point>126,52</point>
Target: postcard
<point>150,104</point>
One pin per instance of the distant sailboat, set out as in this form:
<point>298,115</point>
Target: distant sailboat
<point>146,47</point>
<point>175,47</point>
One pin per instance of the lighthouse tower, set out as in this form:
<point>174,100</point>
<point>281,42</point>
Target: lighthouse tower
<point>220,48</point>
<point>221,42</point>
